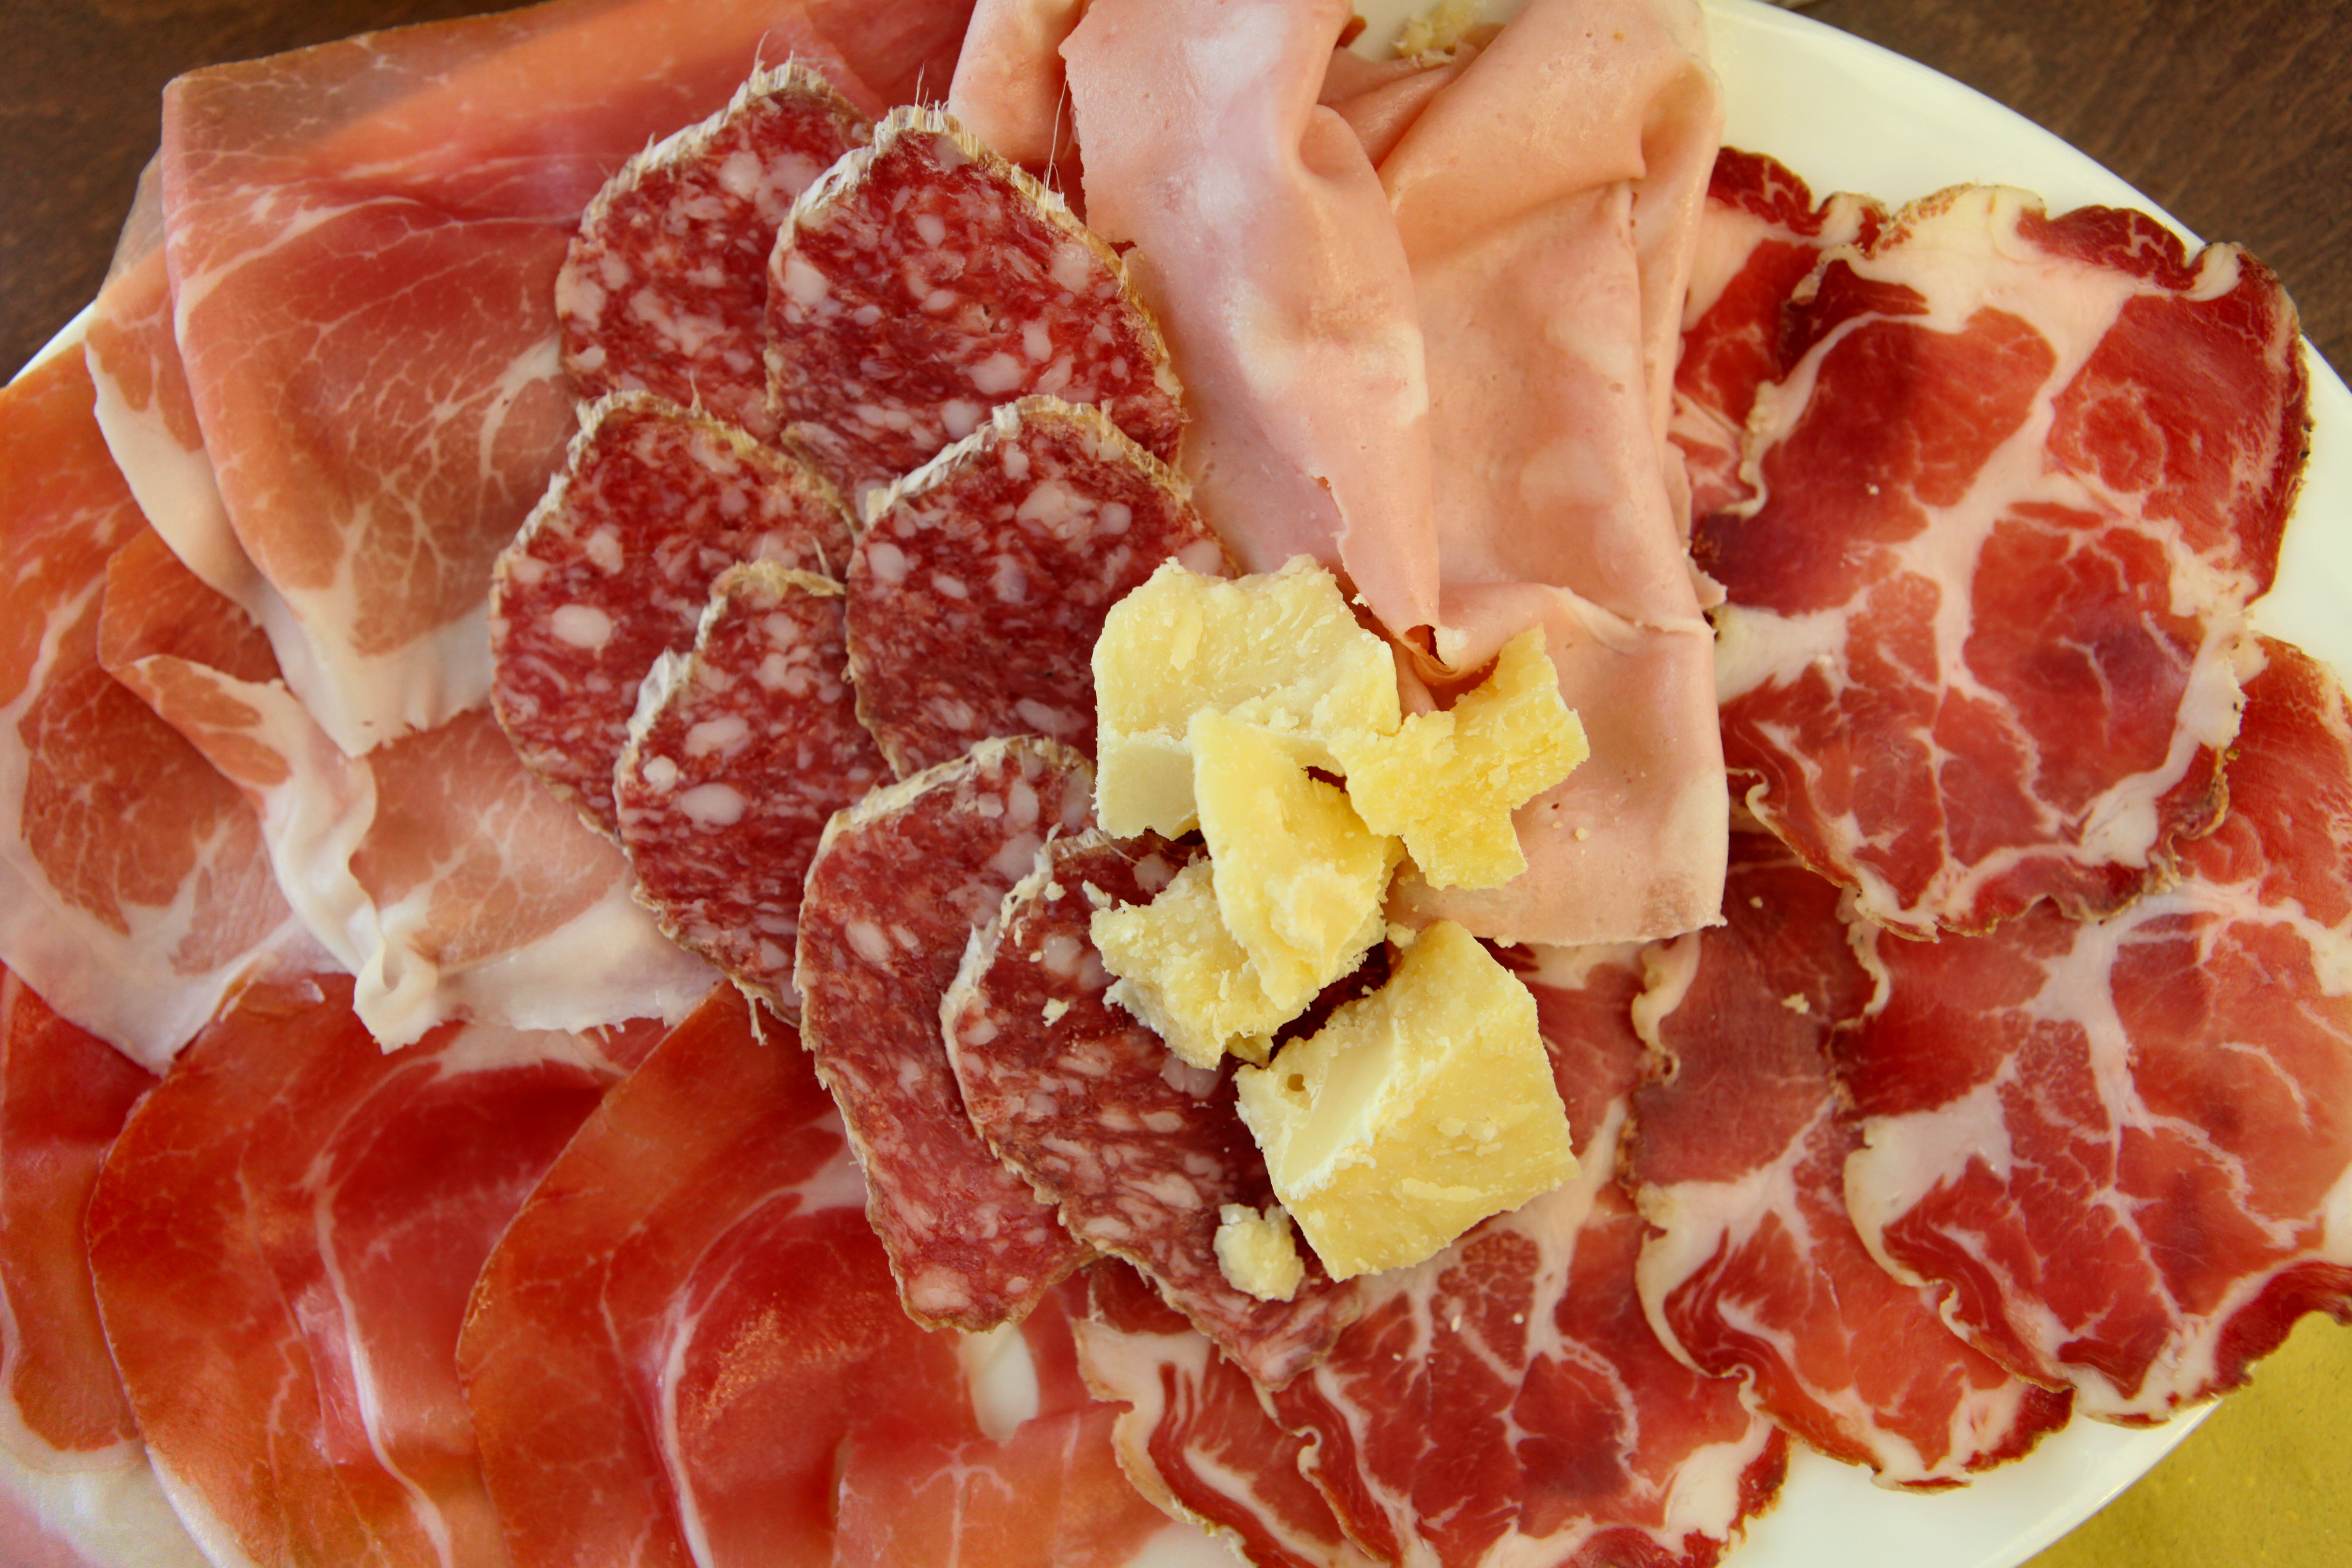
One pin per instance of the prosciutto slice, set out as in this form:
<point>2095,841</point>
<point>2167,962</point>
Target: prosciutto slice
<point>2120,1150</point>
<point>328,1206</point>
<point>1507,1401</point>
<point>135,892</point>
<point>1753,1269</point>
<point>1988,608</point>
<point>406,197</point>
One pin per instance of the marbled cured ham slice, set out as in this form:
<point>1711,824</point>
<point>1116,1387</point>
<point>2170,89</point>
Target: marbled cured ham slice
<point>613,567</point>
<point>901,881</point>
<point>408,197</point>
<point>665,288</point>
<point>1507,1401</point>
<point>981,581</point>
<point>329,1206</point>
<point>924,280</point>
<point>740,754</point>
<point>1139,1151</point>
<point>1753,1267</point>
<point>2016,496</point>
<point>437,871</point>
<point>134,892</point>
<point>2120,1149</point>
<point>1760,238</point>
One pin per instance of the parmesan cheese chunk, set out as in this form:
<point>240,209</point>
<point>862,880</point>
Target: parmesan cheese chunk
<point>1298,877</point>
<point>1182,974</point>
<point>1447,782</point>
<point>1279,650</point>
<point>1255,1252</point>
<point>1414,1113</point>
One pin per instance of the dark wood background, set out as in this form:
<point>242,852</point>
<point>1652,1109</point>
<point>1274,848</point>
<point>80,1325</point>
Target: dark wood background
<point>2234,115</point>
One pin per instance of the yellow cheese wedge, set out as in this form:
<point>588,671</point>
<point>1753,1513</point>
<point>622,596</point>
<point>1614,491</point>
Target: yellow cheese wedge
<point>1182,974</point>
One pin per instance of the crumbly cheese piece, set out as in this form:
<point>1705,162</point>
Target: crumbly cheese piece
<point>1255,1252</point>
<point>1446,783</point>
<point>1298,877</point>
<point>1182,974</point>
<point>1280,650</point>
<point>1414,1113</point>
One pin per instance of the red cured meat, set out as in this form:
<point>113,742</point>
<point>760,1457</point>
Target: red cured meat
<point>664,288</point>
<point>742,752</point>
<point>979,583</point>
<point>1195,1437</point>
<point>900,883</point>
<point>2120,1149</point>
<point>1508,1398</point>
<point>615,566</point>
<point>924,280</point>
<point>1760,238</point>
<point>1139,1151</point>
<point>329,1206</point>
<point>1753,1267</point>
<point>2016,496</point>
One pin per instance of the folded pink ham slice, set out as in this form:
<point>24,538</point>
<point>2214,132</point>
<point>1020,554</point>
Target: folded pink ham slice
<point>2118,1149</point>
<point>2017,493</point>
<point>1753,1267</point>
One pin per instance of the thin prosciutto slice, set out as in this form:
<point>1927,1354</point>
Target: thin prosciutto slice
<point>1987,610</point>
<point>283,1239</point>
<point>2121,1149</point>
<point>1507,1401</point>
<point>1753,1267</point>
<point>437,871</point>
<point>135,892</point>
<point>406,199</point>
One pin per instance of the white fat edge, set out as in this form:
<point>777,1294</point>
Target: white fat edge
<point>117,1514</point>
<point>1902,1159</point>
<point>212,1536</point>
<point>1692,1222</point>
<point>1001,1377</point>
<point>607,964</point>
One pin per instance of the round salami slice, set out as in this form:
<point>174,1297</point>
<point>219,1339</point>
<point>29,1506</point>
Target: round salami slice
<point>924,280</point>
<point>613,569</point>
<point>979,583</point>
<point>664,288</point>
<point>740,753</point>
<point>1141,1151</point>
<point>901,881</point>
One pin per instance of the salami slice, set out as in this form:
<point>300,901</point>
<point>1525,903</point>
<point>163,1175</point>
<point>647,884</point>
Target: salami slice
<point>614,565</point>
<point>981,582</point>
<point>901,881</point>
<point>923,281</point>
<point>664,288</point>
<point>740,753</point>
<point>1140,1151</point>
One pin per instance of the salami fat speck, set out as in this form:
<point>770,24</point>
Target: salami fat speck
<point>924,280</point>
<point>738,755</point>
<point>901,881</point>
<point>981,582</point>
<point>1140,1150</point>
<point>614,565</point>
<point>665,288</point>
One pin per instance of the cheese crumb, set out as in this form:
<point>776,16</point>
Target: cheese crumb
<point>1447,782</point>
<point>1280,650</point>
<point>1257,1254</point>
<point>1414,1113</point>
<point>1182,974</point>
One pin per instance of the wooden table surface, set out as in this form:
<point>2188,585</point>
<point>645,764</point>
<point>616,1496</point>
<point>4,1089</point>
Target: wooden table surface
<point>2234,116</point>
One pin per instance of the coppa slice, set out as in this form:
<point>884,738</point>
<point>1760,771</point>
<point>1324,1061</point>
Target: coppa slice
<point>2119,1150</point>
<point>1139,1151</point>
<point>1753,1267</point>
<point>665,288</point>
<point>981,581</point>
<point>923,281</point>
<point>1987,613</point>
<point>901,881</point>
<point>613,568</point>
<point>740,754</point>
